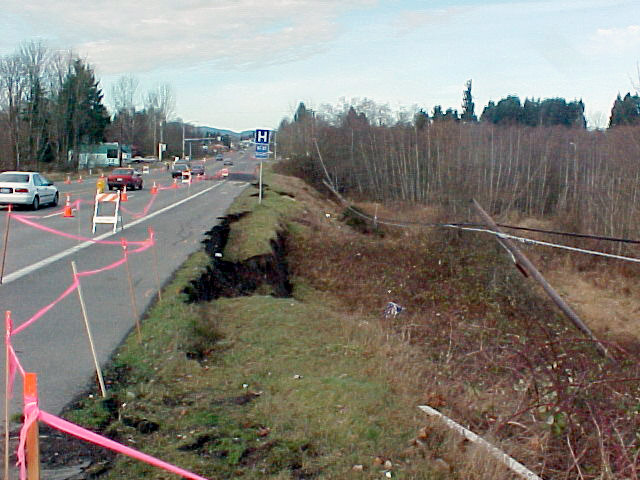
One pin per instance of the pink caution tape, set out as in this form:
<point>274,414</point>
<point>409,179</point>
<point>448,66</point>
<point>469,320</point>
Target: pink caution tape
<point>14,363</point>
<point>146,244</point>
<point>144,211</point>
<point>142,248</point>
<point>84,434</point>
<point>44,310</point>
<point>26,221</point>
<point>31,412</point>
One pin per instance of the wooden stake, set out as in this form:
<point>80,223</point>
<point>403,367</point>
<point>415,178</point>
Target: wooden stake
<point>88,329</point>
<point>4,245</point>
<point>132,292</point>
<point>155,267</point>
<point>7,380</point>
<point>526,264</point>
<point>78,219</point>
<point>30,391</point>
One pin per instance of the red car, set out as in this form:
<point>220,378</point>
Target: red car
<point>122,177</point>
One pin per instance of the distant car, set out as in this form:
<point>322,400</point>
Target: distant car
<point>227,161</point>
<point>125,177</point>
<point>178,167</point>
<point>27,188</point>
<point>219,157</point>
<point>197,169</point>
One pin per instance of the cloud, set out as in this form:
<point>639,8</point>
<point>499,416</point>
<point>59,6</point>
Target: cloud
<point>410,20</point>
<point>624,40</point>
<point>122,36</point>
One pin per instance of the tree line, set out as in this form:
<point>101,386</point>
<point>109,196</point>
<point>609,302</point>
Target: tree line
<point>51,103</point>
<point>584,180</point>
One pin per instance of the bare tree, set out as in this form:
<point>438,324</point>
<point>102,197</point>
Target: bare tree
<point>160,106</point>
<point>36,60</point>
<point>124,93</point>
<point>12,86</point>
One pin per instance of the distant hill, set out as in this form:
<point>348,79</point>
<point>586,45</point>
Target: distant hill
<point>231,133</point>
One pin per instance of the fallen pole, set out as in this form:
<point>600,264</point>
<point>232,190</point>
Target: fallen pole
<point>498,454</point>
<point>523,263</point>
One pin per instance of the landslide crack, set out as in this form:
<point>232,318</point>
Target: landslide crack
<point>268,274</point>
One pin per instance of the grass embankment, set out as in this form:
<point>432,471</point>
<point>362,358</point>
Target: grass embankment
<point>289,387</point>
<point>319,385</point>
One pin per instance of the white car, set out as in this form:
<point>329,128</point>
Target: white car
<point>27,188</point>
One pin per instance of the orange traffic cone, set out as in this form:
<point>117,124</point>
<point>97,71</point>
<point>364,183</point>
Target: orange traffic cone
<point>175,183</point>
<point>68,180</point>
<point>80,179</point>
<point>68,212</point>
<point>154,189</point>
<point>123,195</point>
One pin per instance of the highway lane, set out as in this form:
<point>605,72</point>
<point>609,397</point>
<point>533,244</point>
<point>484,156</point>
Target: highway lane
<point>56,346</point>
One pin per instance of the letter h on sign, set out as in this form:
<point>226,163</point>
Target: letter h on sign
<point>262,136</point>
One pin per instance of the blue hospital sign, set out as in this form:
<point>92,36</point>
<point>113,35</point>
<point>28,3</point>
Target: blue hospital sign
<point>262,136</point>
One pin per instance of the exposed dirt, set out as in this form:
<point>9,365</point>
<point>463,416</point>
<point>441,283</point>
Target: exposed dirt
<point>67,458</point>
<point>229,279</point>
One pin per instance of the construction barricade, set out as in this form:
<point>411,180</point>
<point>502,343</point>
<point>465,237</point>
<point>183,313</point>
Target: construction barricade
<point>112,199</point>
<point>186,176</point>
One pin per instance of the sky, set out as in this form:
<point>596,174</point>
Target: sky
<point>246,64</point>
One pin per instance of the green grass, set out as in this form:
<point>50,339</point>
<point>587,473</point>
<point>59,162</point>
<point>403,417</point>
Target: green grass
<point>252,234</point>
<point>287,388</point>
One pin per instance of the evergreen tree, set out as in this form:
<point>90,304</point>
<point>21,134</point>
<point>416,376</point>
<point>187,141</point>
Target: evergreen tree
<point>85,117</point>
<point>301,113</point>
<point>437,114</point>
<point>451,115</point>
<point>531,112</point>
<point>421,119</point>
<point>625,111</point>
<point>576,114</point>
<point>489,112</point>
<point>468,107</point>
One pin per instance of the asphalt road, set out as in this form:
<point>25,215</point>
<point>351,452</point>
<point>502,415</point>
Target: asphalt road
<point>38,270</point>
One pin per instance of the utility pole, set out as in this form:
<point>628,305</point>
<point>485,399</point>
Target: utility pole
<point>525,264</point>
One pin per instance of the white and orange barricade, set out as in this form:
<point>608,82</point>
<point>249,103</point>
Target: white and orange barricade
<point>186,176</point>
<point>112,201</point>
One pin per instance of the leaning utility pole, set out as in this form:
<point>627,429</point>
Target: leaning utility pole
<point>525,264</point>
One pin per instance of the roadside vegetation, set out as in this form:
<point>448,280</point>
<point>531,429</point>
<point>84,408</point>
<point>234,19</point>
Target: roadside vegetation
<point>319,384</point>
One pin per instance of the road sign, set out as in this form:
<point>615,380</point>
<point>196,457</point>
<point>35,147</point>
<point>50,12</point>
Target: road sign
<point>262,136</point>
<point>262,154</point>
<point>262,147</point>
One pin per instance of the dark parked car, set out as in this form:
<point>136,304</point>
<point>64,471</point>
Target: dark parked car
<point>122,177</point>
<point>227,161</point>
<point>178,167</point>
<point>197,169</point>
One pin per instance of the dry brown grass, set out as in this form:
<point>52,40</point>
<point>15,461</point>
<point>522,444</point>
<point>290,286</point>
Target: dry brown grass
<point>479,345</point>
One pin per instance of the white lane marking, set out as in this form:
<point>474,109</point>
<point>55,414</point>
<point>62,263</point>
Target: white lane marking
<point>52,215</point>
<point>65,253</point>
